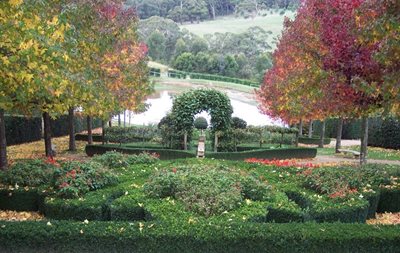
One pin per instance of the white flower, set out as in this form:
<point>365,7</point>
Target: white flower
<point>361,196</point>
<point>86,221</point>
<point>48,223</point>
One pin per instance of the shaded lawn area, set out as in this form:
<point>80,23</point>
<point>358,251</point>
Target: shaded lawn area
<point>373,153</point>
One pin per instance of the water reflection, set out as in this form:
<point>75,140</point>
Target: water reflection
<point>161,104</point>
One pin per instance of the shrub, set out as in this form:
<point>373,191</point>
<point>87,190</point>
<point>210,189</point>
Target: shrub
<point>143,158</point>
<point>131,134</point>
<point>29,173</point>
<point>74,179</point>
<point>116,160</point>
<point>207,190</point>
<point>112,159</point>
<point>200,123</point>
<point>342,184</point>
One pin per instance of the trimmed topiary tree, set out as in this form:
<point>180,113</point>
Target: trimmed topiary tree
<point>200,123</point>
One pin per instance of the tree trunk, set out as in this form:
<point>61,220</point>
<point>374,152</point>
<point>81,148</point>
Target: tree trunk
<point>3,142</point>
<point>119,119</point>
<point>185,141</point>
<point>110,123</point>
<point>339,135</point>
<point>47,135</point>
<point>103,132</point>
<point>301,127</point>
<point>71,127</point>
<point>310,129</point>
<point>322,135</point>
<point>124,118</point>
<point>364,141</point>
<point>213,11</point>
<point>215,142</point>
<point>89,129</point>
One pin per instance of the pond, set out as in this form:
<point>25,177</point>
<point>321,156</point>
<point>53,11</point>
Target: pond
<point>161,103</point>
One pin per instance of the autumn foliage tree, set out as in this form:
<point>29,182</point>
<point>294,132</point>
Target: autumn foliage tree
<point>60,55</point>
<point>322,68</point>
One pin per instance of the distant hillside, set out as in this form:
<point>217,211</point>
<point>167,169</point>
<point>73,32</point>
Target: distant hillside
<point>271,22</point>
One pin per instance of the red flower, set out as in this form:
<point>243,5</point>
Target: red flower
<point>281,163</point>
<point>174,170</point>
<point>63,185</point>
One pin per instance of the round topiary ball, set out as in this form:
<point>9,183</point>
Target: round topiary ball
<point>200,123</point>
<point>238,123</point>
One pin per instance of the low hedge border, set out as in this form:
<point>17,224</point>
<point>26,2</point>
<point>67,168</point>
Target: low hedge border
<point>166,154</point>
<point>19,200</point>
<point>94,206</point>
<point>64,236</point>
<point>84,137</point>
<point>389,200</point>
<point>313,141</point>
<point>281,153</point>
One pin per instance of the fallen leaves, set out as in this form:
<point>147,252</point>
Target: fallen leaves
<point>20,216</point>
<point>35,150</point>
<point>385,219</point>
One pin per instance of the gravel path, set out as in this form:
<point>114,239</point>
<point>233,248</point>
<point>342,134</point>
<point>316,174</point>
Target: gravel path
<point>320,159</point>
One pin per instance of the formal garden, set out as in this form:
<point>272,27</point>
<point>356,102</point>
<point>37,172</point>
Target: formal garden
<point>74,178</point>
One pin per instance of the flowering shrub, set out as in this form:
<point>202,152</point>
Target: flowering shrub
<point>343,182</point>
<point>281,163</point>
<point>29,173</point>
<point>74,179</point>
<point>207,190</point>
<point>112,159</point>
<point>143,158</point>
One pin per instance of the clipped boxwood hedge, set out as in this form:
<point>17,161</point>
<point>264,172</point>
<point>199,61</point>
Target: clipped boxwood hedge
<point>165,154</point>
<point>389,200</point>
<point>64,236</point>
<point>313,141</point>
<point>281,153</point>
<point>19,200</point>
<point>84,137</point>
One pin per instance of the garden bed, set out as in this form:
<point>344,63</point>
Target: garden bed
<point>198,205</point>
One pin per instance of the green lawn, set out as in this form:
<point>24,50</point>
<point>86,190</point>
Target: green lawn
<point>373,153</point>
<point>271,22</point>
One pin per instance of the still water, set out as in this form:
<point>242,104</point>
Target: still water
<point>161,104</point>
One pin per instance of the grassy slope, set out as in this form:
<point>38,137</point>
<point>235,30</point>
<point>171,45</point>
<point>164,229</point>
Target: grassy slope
<point>176,84</point>
<point>271,22</point>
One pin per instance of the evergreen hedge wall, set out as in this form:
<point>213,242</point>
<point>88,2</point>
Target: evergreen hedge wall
<point>382,132</point>
<point>20,129</point>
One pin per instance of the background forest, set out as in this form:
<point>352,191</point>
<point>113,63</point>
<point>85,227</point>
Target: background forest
<point>242,54</point>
